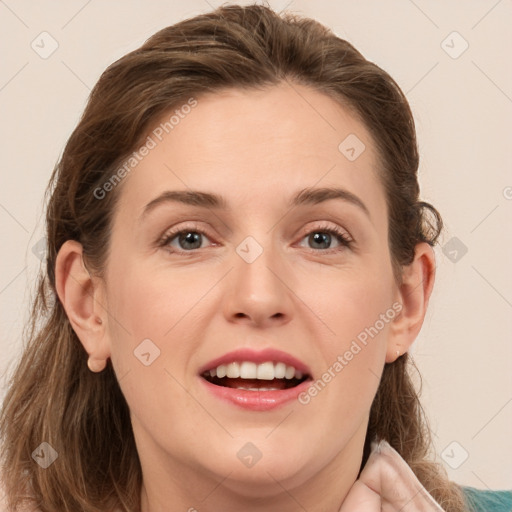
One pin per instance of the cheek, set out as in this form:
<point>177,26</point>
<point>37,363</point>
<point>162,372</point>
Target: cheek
<point>152,330</point>
<point>150,302</point>
<point>356,312</point>
<point>145,304</point>
<point>356,305</point>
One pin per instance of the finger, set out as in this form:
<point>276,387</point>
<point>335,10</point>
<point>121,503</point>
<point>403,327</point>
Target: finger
<point>361,498</point>
<point>388,475</point>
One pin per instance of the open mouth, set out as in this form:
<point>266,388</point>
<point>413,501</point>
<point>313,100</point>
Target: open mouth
<point>249,376</point>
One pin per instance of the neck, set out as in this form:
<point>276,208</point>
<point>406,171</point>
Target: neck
<point>172,483</point>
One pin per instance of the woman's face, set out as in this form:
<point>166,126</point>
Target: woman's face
<point>257,271</point>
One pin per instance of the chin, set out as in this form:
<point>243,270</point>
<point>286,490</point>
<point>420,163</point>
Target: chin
<point>261,467</point>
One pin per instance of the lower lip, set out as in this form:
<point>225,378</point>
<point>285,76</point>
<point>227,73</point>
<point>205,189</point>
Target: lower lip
<point>256,400</point>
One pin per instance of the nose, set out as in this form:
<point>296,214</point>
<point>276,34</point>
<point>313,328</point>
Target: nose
<point>258,293</point>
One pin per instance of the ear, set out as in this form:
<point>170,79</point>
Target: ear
<point>413,294</point>
<point>82,299</point>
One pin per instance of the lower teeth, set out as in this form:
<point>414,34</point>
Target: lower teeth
<point>260,389</point>
<point>253,384</point>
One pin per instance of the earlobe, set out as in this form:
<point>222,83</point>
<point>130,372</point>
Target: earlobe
<point>414,294</point>
<point>80,297</point>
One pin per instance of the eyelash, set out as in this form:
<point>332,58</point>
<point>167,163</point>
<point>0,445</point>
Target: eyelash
<point>343,238</point>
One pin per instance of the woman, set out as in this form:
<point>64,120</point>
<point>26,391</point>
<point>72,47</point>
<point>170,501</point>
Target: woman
<point>264,366</point>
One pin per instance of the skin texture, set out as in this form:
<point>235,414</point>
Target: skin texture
<point>388,484</point>
<point>257,149</point>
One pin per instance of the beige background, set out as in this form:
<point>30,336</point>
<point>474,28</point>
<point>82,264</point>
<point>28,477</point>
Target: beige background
<point>462,103</point>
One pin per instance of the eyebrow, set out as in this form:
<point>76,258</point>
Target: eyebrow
<point>307,196</point>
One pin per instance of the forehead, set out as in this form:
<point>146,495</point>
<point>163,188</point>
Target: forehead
<point>255,145</point>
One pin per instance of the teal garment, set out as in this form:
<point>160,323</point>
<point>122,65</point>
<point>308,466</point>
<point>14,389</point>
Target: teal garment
<point>487,501</point>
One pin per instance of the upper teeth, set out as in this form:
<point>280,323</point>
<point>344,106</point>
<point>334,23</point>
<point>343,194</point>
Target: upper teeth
<point>250,370</point>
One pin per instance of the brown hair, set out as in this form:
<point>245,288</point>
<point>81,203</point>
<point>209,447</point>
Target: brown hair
<point>84,416</point>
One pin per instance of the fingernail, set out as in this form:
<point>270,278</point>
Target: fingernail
<point>377,446</point>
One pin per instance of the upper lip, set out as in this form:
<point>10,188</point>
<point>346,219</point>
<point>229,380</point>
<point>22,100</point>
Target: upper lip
<point>257,356</point>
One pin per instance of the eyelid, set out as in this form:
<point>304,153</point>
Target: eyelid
<point>325,225</point>
<point>193,226</point>
<point>346,239</point>
<point>175,230</point>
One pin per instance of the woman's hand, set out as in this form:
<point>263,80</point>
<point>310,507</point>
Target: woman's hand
<point>388,484</point>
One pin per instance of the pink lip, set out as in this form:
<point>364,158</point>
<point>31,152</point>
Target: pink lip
<point>261,356</point>
<point>256,400</point>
